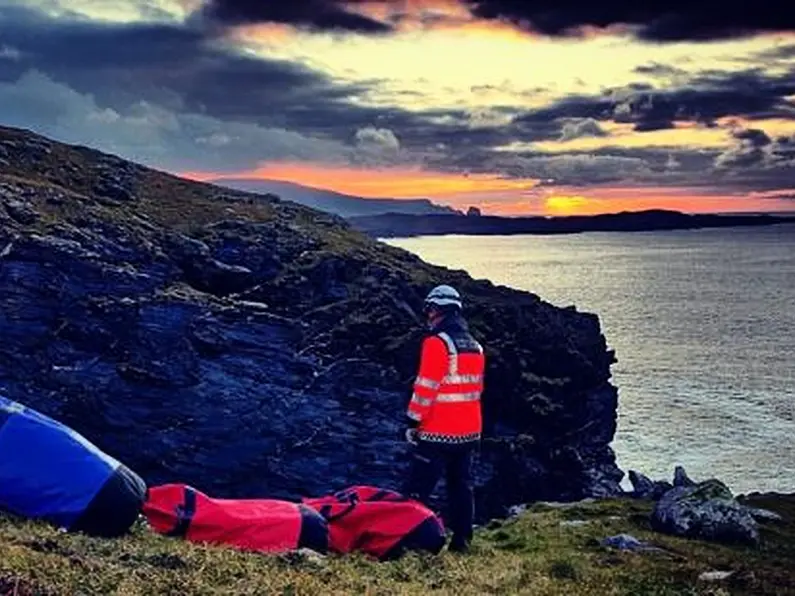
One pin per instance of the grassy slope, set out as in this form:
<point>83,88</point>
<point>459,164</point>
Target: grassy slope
<point>179,203</point>
<point>533,554</point>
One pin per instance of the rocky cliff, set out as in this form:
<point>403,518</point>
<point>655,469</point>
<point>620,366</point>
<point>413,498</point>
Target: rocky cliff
<point>255,347</point>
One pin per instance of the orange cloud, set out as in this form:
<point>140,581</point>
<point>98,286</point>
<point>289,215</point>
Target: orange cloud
<point>393,182</point>
<point>496,195</point>
<point>264,32</point>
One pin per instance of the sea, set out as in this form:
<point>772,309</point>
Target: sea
<point>703,324</point>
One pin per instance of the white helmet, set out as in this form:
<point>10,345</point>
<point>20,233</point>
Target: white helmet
<point>443,296</point>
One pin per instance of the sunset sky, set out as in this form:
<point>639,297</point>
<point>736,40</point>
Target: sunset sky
<point>564,106</point>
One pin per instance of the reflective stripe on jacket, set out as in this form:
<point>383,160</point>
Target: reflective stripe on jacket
<point>447,389</point>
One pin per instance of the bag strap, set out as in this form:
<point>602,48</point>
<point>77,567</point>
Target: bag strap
<point>185,513</point>
<point>388,495</point>
<point>325,511</point>
<point>353,499</point>
<point>343,496</point>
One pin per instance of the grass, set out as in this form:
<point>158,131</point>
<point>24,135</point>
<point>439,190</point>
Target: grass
<point>533,554</point>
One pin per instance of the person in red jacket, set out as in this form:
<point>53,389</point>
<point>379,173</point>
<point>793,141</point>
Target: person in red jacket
<point>444,413</point>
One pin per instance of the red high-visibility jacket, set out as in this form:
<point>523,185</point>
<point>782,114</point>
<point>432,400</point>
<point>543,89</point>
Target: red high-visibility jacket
<point>378,522</point>
<point>447,389</point>
<point>260,525</point>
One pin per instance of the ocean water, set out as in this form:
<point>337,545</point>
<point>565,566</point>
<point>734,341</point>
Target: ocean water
<point>703,324</point>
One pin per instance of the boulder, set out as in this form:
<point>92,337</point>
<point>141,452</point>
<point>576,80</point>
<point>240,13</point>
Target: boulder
<point>681,478</point>
<point>706,511</point>
<point>21,211</point>
<point>646,488</point>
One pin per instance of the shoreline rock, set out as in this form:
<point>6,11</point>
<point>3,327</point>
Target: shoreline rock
<point>705,510</point>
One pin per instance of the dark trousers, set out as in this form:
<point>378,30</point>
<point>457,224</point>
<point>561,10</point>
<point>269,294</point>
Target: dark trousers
<point>428,462</point>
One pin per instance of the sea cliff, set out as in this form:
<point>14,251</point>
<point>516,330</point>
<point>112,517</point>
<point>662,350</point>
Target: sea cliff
<point>255,347</point>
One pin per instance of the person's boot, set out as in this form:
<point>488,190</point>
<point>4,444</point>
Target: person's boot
<point>458,545</point>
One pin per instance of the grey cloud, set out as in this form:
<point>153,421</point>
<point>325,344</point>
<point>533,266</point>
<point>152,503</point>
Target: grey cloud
<point>782,152</point>
<point>783,52</point>
<point>578,128</point>
<point>705,98</point>
<point>9,53</point>
<point>376,147</point>
<point>656,69</point>
<point>654,21</point>
<point>184,70</point>
<point>754,137</point>
<point>756,148</point>
<point>609,165</point>
<point>151,134</point>
<point>584,169</point>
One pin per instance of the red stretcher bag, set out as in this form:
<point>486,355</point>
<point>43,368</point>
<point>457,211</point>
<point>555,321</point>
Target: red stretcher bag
<point>261,525</point>
<point>378,522</point>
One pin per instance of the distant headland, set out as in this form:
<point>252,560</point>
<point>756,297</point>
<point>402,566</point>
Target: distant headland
<point>393,225</point>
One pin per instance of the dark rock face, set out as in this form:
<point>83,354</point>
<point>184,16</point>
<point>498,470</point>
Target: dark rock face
<point>252,347</point>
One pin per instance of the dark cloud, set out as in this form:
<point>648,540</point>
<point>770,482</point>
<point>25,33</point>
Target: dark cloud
<point>579,128</point>
<point>183,69</point>
<point>322,15</point>
<point>653,20</point>
<point>655,69</point>
<point>779,52</point>
<point>703,99</point>
<point>755,148</point>
<point>608,165</point>
<point>753,136</point>
<point>187,70</point>
<point>749,151</point>
<point>782,151</point>
<point>185,85</point>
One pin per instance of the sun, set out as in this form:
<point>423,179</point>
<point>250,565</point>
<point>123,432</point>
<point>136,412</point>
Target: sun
<point>564,205</point>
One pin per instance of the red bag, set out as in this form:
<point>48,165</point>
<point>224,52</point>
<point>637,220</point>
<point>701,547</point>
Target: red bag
<point>262,525</point>
<point>378,522</point>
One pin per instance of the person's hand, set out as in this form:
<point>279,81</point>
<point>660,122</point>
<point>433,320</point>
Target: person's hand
<point>411,435</point>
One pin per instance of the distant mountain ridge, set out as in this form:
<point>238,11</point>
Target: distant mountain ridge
<point>335,202</point>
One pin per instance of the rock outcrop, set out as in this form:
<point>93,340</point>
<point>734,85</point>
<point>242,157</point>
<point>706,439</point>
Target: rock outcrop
<point>254,347</point>
<point>703,510</point>
<point>707,511</point>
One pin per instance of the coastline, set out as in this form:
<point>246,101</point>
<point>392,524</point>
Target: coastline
<point>410,226</point>
<point>661,388</point>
